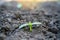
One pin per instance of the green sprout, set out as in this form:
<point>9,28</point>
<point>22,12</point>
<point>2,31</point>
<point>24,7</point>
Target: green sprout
<point>30,26</point>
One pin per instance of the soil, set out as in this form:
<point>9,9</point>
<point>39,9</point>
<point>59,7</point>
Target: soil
<point>48,13</point>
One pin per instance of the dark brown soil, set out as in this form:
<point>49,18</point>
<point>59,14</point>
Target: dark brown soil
<point>48,13</point>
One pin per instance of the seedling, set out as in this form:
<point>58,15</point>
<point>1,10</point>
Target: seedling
<point>30,26</point>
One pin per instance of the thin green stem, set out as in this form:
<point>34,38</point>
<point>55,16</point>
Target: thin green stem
<point>30,26</point>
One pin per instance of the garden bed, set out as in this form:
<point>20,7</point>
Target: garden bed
<point>47,13</point>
